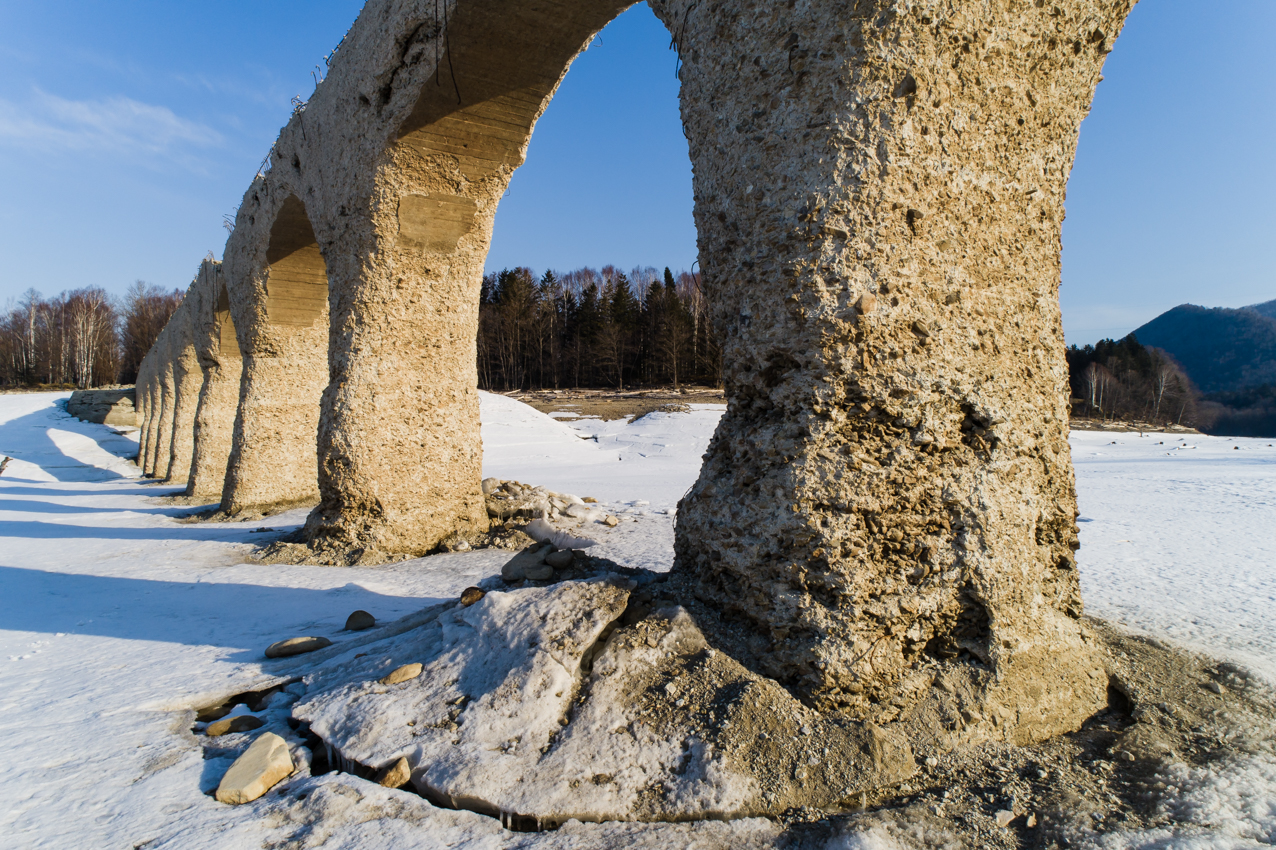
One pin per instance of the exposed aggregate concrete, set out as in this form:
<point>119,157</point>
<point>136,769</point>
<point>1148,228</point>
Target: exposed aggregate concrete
<point>884,524</point>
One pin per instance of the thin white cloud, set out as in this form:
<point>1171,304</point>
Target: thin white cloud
<point>115,125</point>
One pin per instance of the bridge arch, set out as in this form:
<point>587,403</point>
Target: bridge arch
<point>404,328</point>
<point>884,282</point>
<point>878,200</point>
<point>217,350</point>
<point>276,286</point>
<point>297,278</point>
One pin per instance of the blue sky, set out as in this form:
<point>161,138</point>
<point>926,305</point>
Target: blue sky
<point>128,129</point>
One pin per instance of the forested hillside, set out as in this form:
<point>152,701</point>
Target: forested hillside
<point>1128,381</point>
<point>1123,379</point>
<point>1243,413</point>
<point>1221,349</point>
<point>1267,308</point>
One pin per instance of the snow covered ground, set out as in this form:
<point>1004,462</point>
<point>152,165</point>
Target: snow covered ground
<point>1178,539</point>
<point>115,617</point>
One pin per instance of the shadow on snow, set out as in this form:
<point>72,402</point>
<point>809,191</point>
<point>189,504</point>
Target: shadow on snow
<point>193,613</point>
<point>26,438</point>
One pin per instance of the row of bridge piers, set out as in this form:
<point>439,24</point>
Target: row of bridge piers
<point>879,196</point>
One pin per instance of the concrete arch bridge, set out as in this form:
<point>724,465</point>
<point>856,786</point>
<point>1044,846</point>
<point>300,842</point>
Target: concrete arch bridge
<point>879,192</point>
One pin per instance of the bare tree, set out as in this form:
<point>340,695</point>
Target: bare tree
<point>1097,379</point>
<point>90,321</point>
<point>146,310</point>
<point>73,338</point>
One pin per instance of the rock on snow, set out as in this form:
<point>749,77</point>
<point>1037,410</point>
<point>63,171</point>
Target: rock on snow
<point>259,769</point>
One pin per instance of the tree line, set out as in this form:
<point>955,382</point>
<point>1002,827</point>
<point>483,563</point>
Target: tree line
<point>604,329</point>
<point>588,328</point>
<point>82,338</point>
<point>583,328</point>
<point>1124,379</point>
<point>595,328</point>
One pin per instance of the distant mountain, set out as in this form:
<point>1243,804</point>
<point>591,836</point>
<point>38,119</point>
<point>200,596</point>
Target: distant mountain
<point>1222,350</point>
<point>1267,308</point>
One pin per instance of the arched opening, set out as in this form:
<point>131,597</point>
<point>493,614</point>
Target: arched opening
<point>574,295</point>
<point>472,122</point>
<point>297,283</point>
<point>407,487</point>
<point>218,351</point>
<point>607,178</point>
<point>283,347</point>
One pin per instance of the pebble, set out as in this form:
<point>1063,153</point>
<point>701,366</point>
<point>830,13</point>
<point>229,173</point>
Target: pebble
<point>405,673</point>
<point>1004,817</point>
<point>560,560</point>
<point>1031,821</point>
<point>396,775</point>
<point>238,723</point>
<point>1214,687</point>
<point>491,485</point>
<point>259,769</point>
<point>359,621</point>
<point>611,521</point>
<point>296,646</point>
<point>471,595</point>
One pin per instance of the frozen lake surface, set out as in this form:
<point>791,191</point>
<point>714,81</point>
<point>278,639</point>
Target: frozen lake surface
<point>115,617</point>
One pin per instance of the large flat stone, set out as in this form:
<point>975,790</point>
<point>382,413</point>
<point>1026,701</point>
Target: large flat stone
<point>535,706</point>
<point>296,646</point>
<point>262,766</point>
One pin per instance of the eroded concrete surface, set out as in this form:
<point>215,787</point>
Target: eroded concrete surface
<point>885,516</point>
